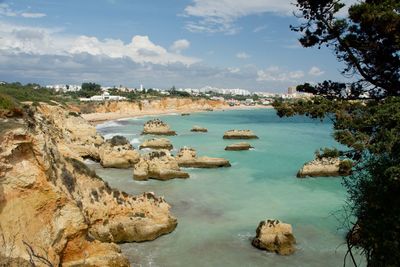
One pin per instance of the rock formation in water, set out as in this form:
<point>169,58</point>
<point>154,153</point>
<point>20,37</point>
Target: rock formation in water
<point>199,129</point>
<point>53,206</point>
<point>238,147</point>
<point>239,134</point>
<point>322,167</point>
<point>157,127</point>
<point>187,157</point>
<point>118,153</point>
<point>275,236</point>
<point>157,143</point>
<point>158,165</point>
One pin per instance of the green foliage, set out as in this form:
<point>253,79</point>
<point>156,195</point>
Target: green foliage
<point>366,113</point>
<point>6,102</point>
<point>89,90</point>
<point>118,140</point>
<point>30,93</point>
<point>327,153</point>
<point>345,167</point>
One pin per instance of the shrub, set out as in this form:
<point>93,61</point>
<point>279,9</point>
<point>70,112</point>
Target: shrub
<point>327,153</point>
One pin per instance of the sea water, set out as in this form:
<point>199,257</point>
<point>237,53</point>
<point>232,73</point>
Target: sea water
<point>218,210</point>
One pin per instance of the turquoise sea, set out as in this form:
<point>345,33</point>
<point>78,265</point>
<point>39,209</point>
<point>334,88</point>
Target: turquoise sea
<point>218,210</point>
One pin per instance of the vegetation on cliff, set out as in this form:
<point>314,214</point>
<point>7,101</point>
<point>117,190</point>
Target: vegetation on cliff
<point>365,112</point>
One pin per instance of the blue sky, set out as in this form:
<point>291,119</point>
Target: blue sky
<point>159,43</point>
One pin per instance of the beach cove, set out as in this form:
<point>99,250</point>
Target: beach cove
<point>218,210</point>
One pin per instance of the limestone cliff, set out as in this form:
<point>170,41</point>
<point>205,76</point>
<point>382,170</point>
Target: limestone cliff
<point>53,208</point>
<point>164,104</point>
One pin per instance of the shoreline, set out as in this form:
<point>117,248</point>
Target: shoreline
<point>101,117</point>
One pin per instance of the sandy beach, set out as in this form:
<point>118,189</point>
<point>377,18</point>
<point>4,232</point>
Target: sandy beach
<point>99,117</point>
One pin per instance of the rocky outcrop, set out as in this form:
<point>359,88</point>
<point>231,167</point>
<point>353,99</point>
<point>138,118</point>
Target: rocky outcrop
<point>238,147</point>
<point>187,157</point>
<point>157,143</point>
<point>325,167</point>
<point>275,236</point>
<point>158,165</point>
<point>199,129</point>
<point>52,203</point>
<point>185,114</point>
<point>239,134</point>
<point>118,153</point>
<point>157,127</point>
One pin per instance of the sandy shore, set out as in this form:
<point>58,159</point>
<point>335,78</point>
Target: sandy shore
<point>97,118</point>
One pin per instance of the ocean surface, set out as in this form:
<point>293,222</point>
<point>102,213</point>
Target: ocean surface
<point>218,210</point>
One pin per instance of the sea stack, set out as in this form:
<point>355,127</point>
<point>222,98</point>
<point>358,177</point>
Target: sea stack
<point>157,143</point>
<point>238,147</point>
<point>325,167</point>
<point>199,129</point>
<point>187,157</point>
<point>159,165</point>
<point>275,236</point>
<point>157,127</point>
<point>117,152</point>
<point>239,134</point>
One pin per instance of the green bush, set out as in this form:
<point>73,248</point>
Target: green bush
<point>327,153</point>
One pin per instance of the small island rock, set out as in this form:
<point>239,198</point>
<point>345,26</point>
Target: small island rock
<point>238,147</point>
<point>199,129</point>
<point>325,167</point>
<point>239,134</point>
<point>275,236</point>
<point>187,157</point>
<point>157,143</point>
<point>157,127</point>
<point>117,152</point>
<point>158,165</point>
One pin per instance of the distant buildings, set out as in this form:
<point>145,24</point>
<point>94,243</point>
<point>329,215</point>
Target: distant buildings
<point>64,87</point>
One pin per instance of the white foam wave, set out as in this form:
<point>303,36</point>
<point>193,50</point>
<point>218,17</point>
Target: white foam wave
<point>135,141</point>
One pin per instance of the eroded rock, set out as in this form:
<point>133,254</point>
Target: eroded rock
<point>325,167</point>
<point>199,129</point>
<point>158,165</point>
<point>238,147</point>
<point>239,134</point>
<point>117,152</point>
<point>54,203</point>
<point>275,236</point>
<point>187,157</point>
<point>157,143</point>
<point>157,127</point>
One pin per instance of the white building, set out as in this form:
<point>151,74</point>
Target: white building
<point>104,97</point>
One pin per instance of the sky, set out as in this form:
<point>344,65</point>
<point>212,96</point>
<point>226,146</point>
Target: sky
<point>159,43</point>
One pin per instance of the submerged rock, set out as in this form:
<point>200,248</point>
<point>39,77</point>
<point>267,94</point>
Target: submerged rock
<point>118,153</point>
<point>325,167</point>
<point>157,127</point>
<point>158,165</point>
<point>187,157</point>
<point>55,204</point>
<point>199,129</point>
<point>238,147</point>
<point>239,134</point>
<point>274,236</point>
<point>157,143</point>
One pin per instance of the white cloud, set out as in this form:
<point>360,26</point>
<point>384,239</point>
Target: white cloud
<point>33,15</point>
<point>242,55</point>
<point>180,45</point>
<point>46,41</point>
<point>260,28</point>
<point>6,10</point>
<point>234,70</point>
<point>315,71</point>
<point>220,15</point>
<point>277,74</point>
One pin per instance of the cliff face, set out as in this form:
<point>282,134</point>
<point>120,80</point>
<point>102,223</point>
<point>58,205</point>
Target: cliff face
<point>173,104</point>
<point>52,206</point>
